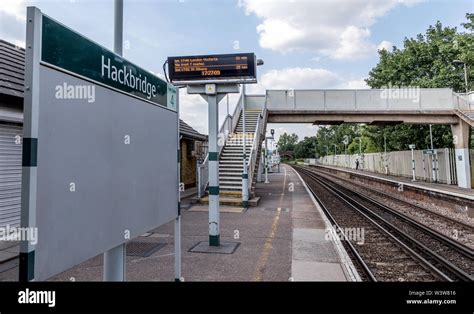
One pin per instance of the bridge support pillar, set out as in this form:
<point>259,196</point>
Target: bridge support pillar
<point>461,145</point>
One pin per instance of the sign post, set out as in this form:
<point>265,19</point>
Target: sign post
<point>115,258</point>
<point>213,77</point>
<point>213,94</point>
<point>245,175</point>
<point>177,221</point>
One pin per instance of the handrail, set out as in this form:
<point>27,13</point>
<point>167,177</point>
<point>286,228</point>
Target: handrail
<point>255,144</point>
<point>462,101</point>
<point>237,111</point>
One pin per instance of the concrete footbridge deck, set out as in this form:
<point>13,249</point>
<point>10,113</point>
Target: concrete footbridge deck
<point>403,105</point>
<point>372,106</point>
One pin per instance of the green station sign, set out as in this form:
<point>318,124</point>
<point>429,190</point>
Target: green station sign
<point>68,50</point>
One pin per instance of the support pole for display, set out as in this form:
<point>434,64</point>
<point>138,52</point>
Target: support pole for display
<point>213,114</point>
<point>245,175</point>
<point>213,94</point>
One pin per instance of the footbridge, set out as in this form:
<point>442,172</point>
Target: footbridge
<point>329,107</point>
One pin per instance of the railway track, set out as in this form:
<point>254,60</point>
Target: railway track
<point>446,222</point>
<point>396,247</point>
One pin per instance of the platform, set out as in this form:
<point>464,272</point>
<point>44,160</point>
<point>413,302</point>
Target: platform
<point>281,239</point>
<point>447,189</point>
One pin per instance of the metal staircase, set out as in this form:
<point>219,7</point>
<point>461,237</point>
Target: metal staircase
<point>231,155</point>
<point>463,107</point>
<point>231,159</point>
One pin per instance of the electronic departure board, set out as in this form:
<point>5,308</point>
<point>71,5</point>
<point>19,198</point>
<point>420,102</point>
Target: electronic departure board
<point>231,68</point>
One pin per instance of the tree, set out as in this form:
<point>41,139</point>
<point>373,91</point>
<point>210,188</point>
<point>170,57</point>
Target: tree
<point>287,142</point>
<point>306,148</point>
<point>424,61</point>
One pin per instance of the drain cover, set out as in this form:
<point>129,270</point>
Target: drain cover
<point>143,249</point>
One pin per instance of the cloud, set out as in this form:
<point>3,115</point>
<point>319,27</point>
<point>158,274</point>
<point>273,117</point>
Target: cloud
<point>337,29</point>
<point>12,21</point>
<point>385,45</point>
<point>355,84</point>
<point>303,78</point>
<point>193,110</point>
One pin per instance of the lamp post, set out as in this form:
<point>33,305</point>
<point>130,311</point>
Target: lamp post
<point>459,62</point>
<point>360,151</point>
<point>385,154</point>
<point>433,158</point>
<point>412,147</point>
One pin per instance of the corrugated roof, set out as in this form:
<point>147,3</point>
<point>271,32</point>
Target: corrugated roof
<point>12,69</point>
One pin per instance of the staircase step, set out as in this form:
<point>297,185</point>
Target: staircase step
<point>233,157</point>
<point>233,176</point>
<point>230,187</point>
<point>237,184</point>
<point>230,179</point>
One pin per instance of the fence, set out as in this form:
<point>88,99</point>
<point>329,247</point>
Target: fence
<point>400,164</point>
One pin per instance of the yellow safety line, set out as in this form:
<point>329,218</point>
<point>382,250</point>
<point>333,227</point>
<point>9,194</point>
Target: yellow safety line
<point>262,261</point>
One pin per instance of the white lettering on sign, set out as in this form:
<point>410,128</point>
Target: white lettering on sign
<point>125,76</point>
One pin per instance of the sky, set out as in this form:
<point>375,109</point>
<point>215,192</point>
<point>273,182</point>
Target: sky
<point>320,44</point>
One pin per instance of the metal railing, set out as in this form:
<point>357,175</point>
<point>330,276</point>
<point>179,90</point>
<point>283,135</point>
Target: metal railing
<point>463,101</point>
<point>260,129</point>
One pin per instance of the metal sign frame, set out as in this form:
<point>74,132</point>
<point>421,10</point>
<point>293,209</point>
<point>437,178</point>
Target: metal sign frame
<point>248,77</point>
<point>47,166</point>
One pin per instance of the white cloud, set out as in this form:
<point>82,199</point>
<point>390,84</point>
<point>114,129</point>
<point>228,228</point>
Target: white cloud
<point>15,8</point>
<point>297,78</point>
<point>303,78</point>
<point>353,43</point>
<point>193,110</point>
<point>12,21</point>
<point>355,84</point>
<point>338,29</point>
<point>385,45</point>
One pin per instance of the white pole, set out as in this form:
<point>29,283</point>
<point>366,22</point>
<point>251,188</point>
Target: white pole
<point>177,221</point>
<point>413,164</point>
<point>385,154</point>
<point>115,258</point>
<point>214,235</point>
<point>266,160</point>
<point>433,161</point>
<point>245,175</point>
